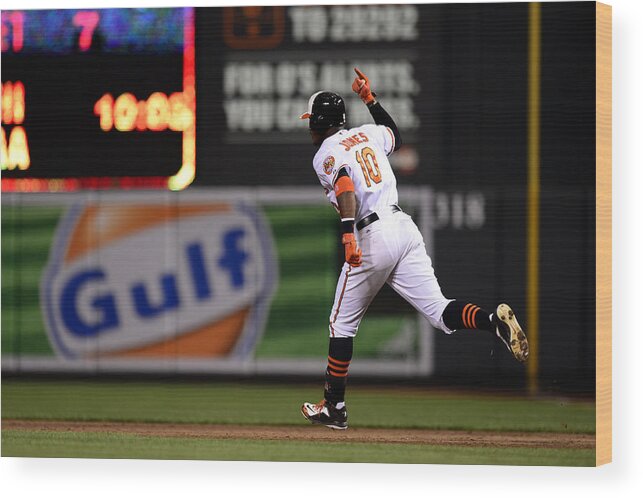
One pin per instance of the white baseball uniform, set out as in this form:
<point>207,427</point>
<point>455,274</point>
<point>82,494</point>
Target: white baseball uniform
<point>393,249</point>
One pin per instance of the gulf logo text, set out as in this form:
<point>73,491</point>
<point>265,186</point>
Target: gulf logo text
<point>156,280</point>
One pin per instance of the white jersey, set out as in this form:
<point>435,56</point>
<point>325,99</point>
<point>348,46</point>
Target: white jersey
<point>393,251</point>
<point>363,152</point>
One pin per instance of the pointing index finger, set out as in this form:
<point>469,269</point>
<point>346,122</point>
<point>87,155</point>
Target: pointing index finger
<point>360,74</point>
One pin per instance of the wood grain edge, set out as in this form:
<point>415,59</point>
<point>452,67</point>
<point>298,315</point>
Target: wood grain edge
<point>603,233</point>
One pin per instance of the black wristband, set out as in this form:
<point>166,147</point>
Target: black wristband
<point>347,225</point>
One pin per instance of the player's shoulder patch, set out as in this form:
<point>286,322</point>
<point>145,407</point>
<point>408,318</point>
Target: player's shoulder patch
<point>329,164</point>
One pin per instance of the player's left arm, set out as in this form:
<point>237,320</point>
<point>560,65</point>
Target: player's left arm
<point>362,87</point>
<point>345,194</point>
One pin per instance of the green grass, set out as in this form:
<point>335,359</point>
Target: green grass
<point>105,445</point>
<point>246,403</point>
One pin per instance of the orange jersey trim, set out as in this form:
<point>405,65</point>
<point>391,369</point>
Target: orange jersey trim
<point>392,140</point>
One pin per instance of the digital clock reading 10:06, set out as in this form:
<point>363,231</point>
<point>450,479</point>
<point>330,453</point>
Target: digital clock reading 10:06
<point>97,97</point>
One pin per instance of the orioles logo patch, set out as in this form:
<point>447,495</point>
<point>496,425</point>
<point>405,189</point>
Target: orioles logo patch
<point>329,164</point>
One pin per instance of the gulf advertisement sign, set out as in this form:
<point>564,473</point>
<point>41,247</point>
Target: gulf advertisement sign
<point>158,280</point>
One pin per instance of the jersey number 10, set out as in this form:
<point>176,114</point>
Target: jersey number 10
<point>367,160</point>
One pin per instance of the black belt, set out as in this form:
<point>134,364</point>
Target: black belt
<point>364,222</point>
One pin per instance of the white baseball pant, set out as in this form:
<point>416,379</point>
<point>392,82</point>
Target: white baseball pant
<point>393,252</point>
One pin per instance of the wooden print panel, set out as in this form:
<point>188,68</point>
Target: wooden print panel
<point>603,234</point>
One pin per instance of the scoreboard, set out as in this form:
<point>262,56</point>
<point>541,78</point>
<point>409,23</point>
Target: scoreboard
<point>98,98</point>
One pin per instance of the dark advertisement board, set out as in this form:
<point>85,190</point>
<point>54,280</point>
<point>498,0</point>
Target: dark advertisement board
<point>259,66</point>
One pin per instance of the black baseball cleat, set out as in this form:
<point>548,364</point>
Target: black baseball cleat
<point>324,413</point>
<point>509,331</point>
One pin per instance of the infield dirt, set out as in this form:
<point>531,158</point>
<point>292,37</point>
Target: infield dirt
<point>295,433</point>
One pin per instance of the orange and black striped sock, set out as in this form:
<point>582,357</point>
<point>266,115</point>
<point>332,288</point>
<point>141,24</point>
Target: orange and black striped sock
<point>465,315</point>
<point>340,353</point>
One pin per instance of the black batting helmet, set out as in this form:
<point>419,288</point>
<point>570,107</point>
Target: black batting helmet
<point>325,110</point>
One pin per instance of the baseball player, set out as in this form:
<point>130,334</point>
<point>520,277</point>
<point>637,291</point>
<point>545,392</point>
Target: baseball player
<point>382,244</point>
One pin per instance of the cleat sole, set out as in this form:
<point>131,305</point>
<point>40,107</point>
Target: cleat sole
<point>519,346</point>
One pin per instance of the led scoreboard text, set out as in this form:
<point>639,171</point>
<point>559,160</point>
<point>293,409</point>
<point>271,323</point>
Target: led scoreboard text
<point>76,82</point>
<point>15,150</point>
<point>64,32</point>
<point>159,112</point>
